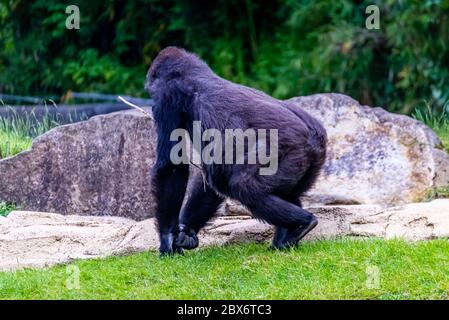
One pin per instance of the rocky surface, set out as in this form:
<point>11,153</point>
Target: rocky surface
<point>102,166</point>
<point>33,239</point>
<point>414,221</point>
<point>96,167</point>
<point>374,157</point>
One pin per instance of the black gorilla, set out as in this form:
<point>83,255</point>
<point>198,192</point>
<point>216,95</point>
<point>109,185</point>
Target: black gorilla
<point>184,90</point>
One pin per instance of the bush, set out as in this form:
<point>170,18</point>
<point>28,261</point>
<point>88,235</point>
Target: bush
<point>285,47</point>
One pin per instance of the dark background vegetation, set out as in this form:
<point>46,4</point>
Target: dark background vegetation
<point>284,47</point>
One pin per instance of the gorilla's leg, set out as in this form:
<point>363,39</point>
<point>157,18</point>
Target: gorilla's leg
<point>280,233</point>
<point>306,182</point>
<point>291,221</point>
<point>202,204</point>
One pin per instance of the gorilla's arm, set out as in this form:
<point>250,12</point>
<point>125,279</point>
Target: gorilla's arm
<point>169,181</point>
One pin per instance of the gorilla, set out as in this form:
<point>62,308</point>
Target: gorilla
<point>184,90</point>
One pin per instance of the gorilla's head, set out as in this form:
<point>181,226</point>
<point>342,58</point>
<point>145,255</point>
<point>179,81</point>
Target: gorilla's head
<point>175,69</point>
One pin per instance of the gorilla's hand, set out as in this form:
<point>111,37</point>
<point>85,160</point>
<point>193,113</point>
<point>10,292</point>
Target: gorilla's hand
<point>187,238</point>
<point>168,245</point>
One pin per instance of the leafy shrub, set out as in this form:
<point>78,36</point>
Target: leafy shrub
<point>285,47</point>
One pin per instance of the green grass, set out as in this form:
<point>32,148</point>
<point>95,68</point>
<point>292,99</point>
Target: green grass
<point>17,133</point>
<point>12,143</point>
<point>443,133</point>
<point>316,270</point>
<point>6,208</point>
<point>437,193</point>
<point>438,121</point>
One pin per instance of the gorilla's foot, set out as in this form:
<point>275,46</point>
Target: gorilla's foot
<point>187,238</point>
<point>280,234</point>
<point>293,237</point>
<point>168,246</point>
<point>175,250</point>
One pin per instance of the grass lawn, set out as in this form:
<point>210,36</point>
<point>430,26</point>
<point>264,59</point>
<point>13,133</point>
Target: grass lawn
<point>344,268</point>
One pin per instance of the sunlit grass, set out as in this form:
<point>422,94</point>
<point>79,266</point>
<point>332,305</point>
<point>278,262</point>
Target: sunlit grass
<point>340,269</point>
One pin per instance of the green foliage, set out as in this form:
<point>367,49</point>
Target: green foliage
<point>437,193</point>
<point>6,208</point>
<point>285,47</point>
<point>315,270</point>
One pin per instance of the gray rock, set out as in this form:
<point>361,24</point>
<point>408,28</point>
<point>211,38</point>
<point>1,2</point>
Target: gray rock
<point>97,167</point>
<point>36,239</point>
<point>414,221</point>
<point>102,166</point>
<point>442,168</point>
<point>374,157</point>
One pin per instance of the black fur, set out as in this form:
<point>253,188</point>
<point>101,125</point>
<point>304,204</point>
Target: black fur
<point>185,89</point>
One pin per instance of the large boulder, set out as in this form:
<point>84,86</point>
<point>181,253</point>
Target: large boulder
<point>96,167</point>
<point>35,239</point>
<point>102,166</point>
<point>374,157</point>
